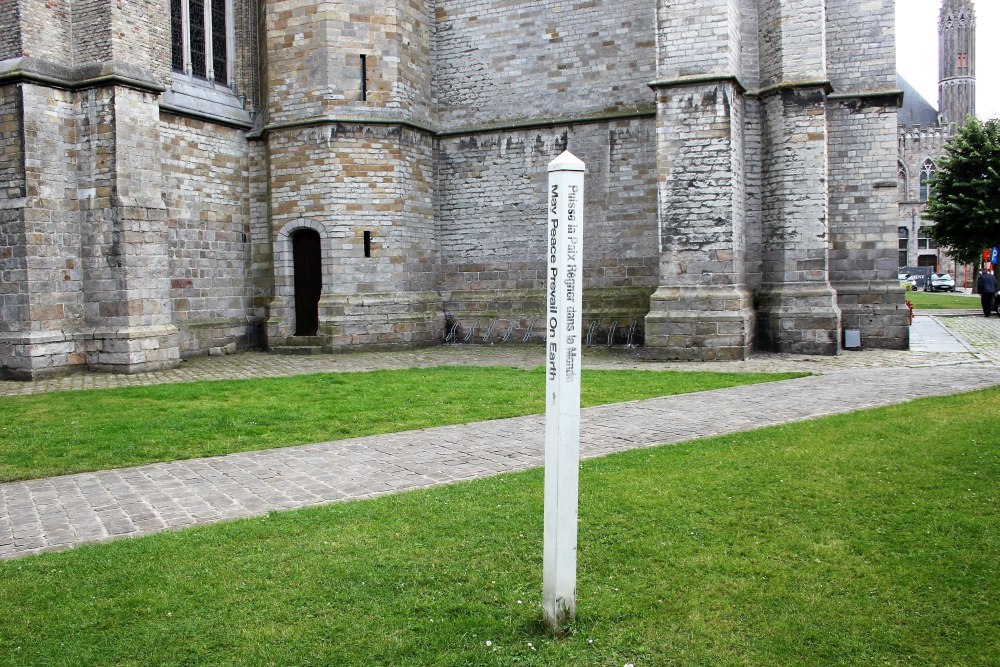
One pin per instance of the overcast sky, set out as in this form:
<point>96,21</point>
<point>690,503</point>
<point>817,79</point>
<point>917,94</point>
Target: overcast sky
<point>917,50</point>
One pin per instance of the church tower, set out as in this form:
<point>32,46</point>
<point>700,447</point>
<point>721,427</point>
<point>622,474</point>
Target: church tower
<point>957,61</point>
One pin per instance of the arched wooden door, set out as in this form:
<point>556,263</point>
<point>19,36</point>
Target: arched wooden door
<point>308,268</point>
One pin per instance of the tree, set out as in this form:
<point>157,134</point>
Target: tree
<point>965,192</point>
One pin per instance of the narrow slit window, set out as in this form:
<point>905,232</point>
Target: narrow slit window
<point>364,81</point>
<point>368,244</point>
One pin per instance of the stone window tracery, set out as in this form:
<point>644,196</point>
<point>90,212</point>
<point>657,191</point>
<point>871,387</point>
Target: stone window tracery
<point>927,170</point>
<point>904,182</point>
<point>203,39</point>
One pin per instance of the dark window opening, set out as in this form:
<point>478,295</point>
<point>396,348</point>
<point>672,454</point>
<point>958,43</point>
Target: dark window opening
<point>196,10</point>
<point>364,77</point>
<point>368,244</point>
<point>176,36</point>
<point>219,47</point>
<point>927,170</point>
<point>308,280</point>
<point>201,39</point>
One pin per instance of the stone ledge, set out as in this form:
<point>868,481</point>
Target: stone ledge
<point>698,79</point>
<point>91,75</point>
<point>205,100</point>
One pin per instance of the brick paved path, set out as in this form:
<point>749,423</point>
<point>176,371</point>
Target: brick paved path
<point>62,512</point>
<point>983,333</point>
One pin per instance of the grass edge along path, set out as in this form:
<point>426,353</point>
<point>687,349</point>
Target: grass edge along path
<point>942,301</point>
<point>80,431</point>
<point>858,539</point>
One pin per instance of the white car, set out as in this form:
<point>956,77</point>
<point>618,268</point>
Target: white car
<point>907,279</point>
<point>940,282</point>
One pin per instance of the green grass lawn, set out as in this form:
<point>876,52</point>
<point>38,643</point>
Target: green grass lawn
<point>862,539</point>
<point>50,434</point>
<point>941,300</point>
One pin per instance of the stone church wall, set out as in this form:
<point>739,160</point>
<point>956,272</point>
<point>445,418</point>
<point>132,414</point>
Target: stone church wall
<point>861,124</point>
<point>10,32</point>
<point>862,235</point>
<point>857,35</point>
<point>530,59</point>
<point>314,59</point>
<point>42,274</point>
<point>492,218</point>
<point>345,180</point>
<point>916,145</point>
<point>47,30</point>
<point>138,233</point>
<point>530,63</point>
<point>205,175</point>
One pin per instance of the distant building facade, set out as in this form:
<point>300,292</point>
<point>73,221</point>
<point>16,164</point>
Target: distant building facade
<point>184,176</point>
<point>924,131</point>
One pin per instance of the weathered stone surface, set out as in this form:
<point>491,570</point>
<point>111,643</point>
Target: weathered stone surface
<point>735,205</point>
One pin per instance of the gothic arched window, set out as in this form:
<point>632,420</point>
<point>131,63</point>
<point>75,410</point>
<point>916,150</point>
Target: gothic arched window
<point>927,170</point>
<point>203,39</point>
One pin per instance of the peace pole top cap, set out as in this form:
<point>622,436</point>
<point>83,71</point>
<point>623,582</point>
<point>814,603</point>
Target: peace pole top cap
<point>567,162</point>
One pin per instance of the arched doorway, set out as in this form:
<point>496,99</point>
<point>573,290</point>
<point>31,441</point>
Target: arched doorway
<point>308,271</point>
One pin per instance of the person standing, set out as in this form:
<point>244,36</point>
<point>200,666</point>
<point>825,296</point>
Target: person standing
<point>987,288</point>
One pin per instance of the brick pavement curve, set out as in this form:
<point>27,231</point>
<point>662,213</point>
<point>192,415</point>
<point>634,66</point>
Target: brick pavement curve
<point>62,512</point>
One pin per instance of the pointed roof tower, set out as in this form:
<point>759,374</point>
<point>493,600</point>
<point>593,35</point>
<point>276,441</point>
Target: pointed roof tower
<point>957,61</point>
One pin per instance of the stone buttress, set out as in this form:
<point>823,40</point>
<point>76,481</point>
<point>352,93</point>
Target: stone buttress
<point>797,310</point>
<point>702,308</point>
<point>83,214</point>
<point>863,192</point>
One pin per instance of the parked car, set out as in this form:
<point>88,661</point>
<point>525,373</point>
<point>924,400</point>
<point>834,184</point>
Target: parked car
<point>908,279</point>
<point>940,282</point>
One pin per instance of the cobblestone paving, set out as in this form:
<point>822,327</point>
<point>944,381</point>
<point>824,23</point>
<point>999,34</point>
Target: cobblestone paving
<point>62,512</point>
<point>260,364</point>
<point>980,333</point>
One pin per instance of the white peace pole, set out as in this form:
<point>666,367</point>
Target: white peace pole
<point>564,318</point>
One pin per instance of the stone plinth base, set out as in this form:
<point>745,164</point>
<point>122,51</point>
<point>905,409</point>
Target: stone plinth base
<point>878,310</point>
<point>798,319</point>
<point>36,355</point>
<point>132,349</point>
<point>699,324</point>
<point>491,315</point>
<point>41,354</point>
<point>369,322</point>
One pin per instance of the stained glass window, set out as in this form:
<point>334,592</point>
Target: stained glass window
<point>196,10</point>
<point>219,46</point>
<point>202,38</point>
<point>926,173</point>
<point>177,36</point>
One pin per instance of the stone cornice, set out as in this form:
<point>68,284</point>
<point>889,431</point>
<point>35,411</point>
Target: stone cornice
<point>111,73</point>
<point>698,79</point>
<point>548,122</point>
<point>485,128</point>
<point>801,84</point>
<point>891,95</point>
<point>210,117</point>
<point>315,121</point>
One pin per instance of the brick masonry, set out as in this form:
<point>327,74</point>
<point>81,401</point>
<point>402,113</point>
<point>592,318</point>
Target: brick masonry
<point>741,202</point>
